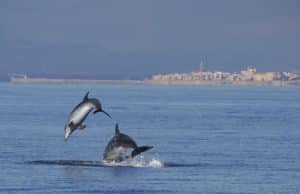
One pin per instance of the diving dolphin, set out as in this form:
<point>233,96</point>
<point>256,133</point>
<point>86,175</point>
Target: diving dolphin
<point>115,148</point>
<point>80,112</point>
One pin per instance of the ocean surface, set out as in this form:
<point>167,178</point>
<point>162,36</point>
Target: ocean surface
<point>212,140</point>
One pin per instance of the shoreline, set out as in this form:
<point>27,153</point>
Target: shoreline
<point>69,81</point>
<point>154,82</point>
<point>225,83</point>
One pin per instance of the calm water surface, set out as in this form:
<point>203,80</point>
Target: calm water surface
<point>210,139</point>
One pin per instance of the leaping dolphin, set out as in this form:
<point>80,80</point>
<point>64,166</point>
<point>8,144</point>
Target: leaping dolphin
<point>115,148</point>
<point>80,112</point>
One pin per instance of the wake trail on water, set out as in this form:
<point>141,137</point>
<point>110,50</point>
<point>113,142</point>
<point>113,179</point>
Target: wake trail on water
<point>138,162</point>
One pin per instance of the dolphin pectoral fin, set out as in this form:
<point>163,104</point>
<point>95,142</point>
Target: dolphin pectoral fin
<point>82,126</point>
<point>139,150</point>
<point>71,124</point>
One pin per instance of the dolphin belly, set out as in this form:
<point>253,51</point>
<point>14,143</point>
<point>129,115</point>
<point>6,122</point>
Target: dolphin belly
<point>114,154</point>
<point>80,114</point>
<point>76,118</point>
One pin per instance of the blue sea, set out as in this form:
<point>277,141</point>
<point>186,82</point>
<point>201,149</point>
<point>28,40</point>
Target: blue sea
<point>207,139</point>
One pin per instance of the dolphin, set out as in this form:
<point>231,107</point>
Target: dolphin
<point>80,112</point>
<point>115,148</point>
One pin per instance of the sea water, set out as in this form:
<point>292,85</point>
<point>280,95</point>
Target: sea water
<point>220,139</point>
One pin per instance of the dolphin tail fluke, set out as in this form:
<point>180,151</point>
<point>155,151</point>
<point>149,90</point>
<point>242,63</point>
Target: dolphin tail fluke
<point>139,150</point>
<point>96,111</point>
<point>106,114</point>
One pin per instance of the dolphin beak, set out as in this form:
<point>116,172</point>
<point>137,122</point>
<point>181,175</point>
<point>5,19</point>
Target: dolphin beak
<point>67,134</point>
<point>106,114</point>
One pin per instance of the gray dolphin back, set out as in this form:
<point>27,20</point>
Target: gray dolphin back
<point>94,101</point>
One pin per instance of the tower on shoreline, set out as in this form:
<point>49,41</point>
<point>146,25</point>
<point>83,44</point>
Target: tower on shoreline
<point>201,67</point>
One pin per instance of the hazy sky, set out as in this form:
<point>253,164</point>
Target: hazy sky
<point>138,37</point>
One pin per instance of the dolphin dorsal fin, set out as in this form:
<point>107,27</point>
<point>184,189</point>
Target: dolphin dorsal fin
<point>117,129</point>
<point>86,97</point>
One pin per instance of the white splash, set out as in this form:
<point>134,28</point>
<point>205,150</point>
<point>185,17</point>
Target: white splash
<point>138,162</point>
<point>155,163</point>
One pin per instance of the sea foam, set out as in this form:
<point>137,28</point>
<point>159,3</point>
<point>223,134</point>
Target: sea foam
<point>137,162</point>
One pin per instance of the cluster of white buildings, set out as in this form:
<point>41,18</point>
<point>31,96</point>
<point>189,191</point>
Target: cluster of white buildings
<point>248,75</point>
